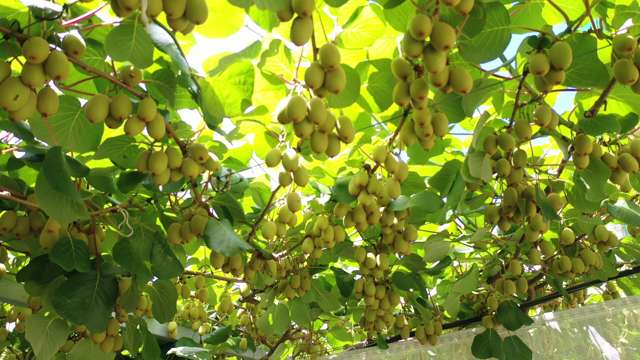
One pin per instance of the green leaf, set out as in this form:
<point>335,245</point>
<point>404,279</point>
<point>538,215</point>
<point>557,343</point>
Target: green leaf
<point>511,316</point>
<point>327,300</point>
<point>600,124</point>
<point>46,335</point>
<point>546,207</point>
<point>39,270</point>
<point>71,254</point>
<point>378,83</point>
<point>589,71</point>
<point>487,345</point>
<point>134,253</point>
<point>281,319</point>
<point>468,282</point>
<point>443,180</point>
<point>55,192</point>
<point>130,42</point>
<point>68,127</point>
<point>625,211</point>
<point>344,281</point>
<point>150,348</point>
<point>436,248</point>
<point>218,336</point>
<point>516,349</point>
<point>493,36</point>
<point>164,296</point>
<point>116,148</point>
<point>164,263</point>
<point>233,88</point>
<point>482,90</point>
<point>340,191</point>
<point>220,236</point>
<point>351,92</point>
<point>86,349</point>
<point>86,299</point>
<point>300,312</point>
<point>224,20</point>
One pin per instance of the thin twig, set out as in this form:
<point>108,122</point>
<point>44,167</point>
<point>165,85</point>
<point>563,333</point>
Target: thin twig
<point>516,103</point>
<point>593,111</point>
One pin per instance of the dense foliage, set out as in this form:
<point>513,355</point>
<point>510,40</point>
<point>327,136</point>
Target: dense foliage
<point>364,170</point>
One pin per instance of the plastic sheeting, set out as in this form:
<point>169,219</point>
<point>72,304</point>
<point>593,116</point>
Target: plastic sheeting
<point>608,330</point>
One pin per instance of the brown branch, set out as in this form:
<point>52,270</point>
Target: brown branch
<point>19,200</point>
<point>405,116</point>
<point>516,103</point>
<point>593,111</point>
<point>213,276</point>
<point>263,214</point>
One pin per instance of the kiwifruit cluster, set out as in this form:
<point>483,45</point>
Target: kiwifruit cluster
<point>326,76</point>
<point>321,234</point>
<point>293,170</point>
<point>229,264</point>
<point>270,267</point>
<point>171,165</point>
<point>511,282</point>
<point>182,15</point>
<point>584,147</point>
<point>610,292</point>
<point>191,226</point>
<point>110,339</point>
<point>424,127</point>
<point>296,284</point>
<point>626,67</point>
<point>314,122</point>
<point>24,95</point>
<point>18,316</point>
<point>549,66</point>
<point>623,163</point>
<point>194,314</point>
<point>301,12</point>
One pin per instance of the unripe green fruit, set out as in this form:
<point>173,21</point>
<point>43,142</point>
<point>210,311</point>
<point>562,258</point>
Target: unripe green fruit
<point>130,75</point>
<point>294,203</point>
<point>402,69</point>
<point>628,163</point>
<point>48,102</point>
<point>196,11</point>
<point>412,48</point>
<point>577,265</point>
<point>556,200</point>
<point>464,7</point>
<point>57,66</point>
<point>8,221</point>
<point>147,109</point>
<point>335,80</point>
<point>158,162</point>
<point>440,79</point>
<point>179,24</point>
<point>143,160</point>
<point>581,161</point>
<point>35,50</point>
<point>567,237</point>
<point>434,60</point>
<point>506,142</point>
<point>503,167</point>
<point>72,46</point>
<point>5,70</point>
<point>173,234</point>
<point>534,256</point>
<point>297,109</point>
<point>129,5</point>
<point>542,84</point>
<point>443,36</point>
<point>284,179</point>
<point>561,55</point>
<point>303,7</point>
<point>509,287</point>
<point>583,145</point>
<point>199,153</point>
<point>97,108</point>
<point>273,158</point>
<point>157,128</point>
<point>601,233</point>
<point>539,64</point>
<point>634,147</point>
<point>13,94</point>
<point>301,176</point>
<point>460,80</point>
<point>303,129</point>
<point>419,89</point>
<point>301,30</point>
<point>564,263</point>
<point>269,229</point>
<point>555,77</point>
<point>625,72</point>
<point>133,126</point>
<point>318,112</point>
<point>624,45</point>
<point>401,94</point>
<point>515,267</point>
<point>519,158</point>
<point>154,8</point>
<point>174,8</point>
<point>27,110</point>
<point>490,144</point>
<point>120,107</point>
<point>522,129</point>
<point>420,26</point>
<point>319,142</point>
<point>588,257</point>
<point>198,223</point>
<point>314,76</point>
<point>290,160</point>
<point>33,75</point>
<point>190,169</point>
<point>380,153</point>
<point>610,160</point>
<point>329,56</point>
<point>542,115</point>
<point>440,124</point>
<point>285,14</point>
<point>174,157</point>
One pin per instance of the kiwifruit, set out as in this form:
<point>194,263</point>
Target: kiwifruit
<point>555,77</point>
<point>73,46</point>
<point>443,36</point>
<point>290,160</point>
<point>441,79</point>
<point>13,94</point>
<point>285,13</point>
<point>542,115</point>
<point>147,109</point>
<point>196,11</point>
<point>117,9</point>
<point>129,5</point>
<point>440,124</point>
<point>333,147</point>
<point>319,142</point>
<point>503,167</point>
<point>190,168</point>
<point>628,163</point>
<point>5,70</point>
<point>420,26</point>
<point>130,75</point>
<point>33,75</point>
<point>57,66</point>
<point>142,161</point>
<point>174,8</point>
<point>380,153</point>
<point>401,94</point>
<point>610,160</point>
<point>174,157</point>
<point>515,267</point>
<point>269,229</point>
<point>624,45</point>
<point>158,162</point>
<point>179,24</point>
<point>303,7</point>
<point>464,7</point>
<point>522,129</point>
<point>460,80</point>
<point>625,72</point>
<point>419,89</point>
<point>199,153</point>
<point>335,80</point>
<point>346,132</point>
<point>120,107</point>
<point>285,179</point>
<point>567,237</point>
<point>303,129</point>
<point>412,48</point>
<point>490,144</point>
<point>35,50</point>
<point>434,60</point>
<point>582,144</point>
<point>581,161</point>
<point>8,221</point>
<point>157,128</point>
<point>48,102</point>
<point>154,8</point>
<point>133,126</point>
<point>317,111</point>
<point>539,64</point>
<point>273,158</point>
<point>329,56</point>
<point>542,84</point>
<point>97,108</point>
<point>301,30</point>
<point>297,108</point>
<point>314,76</point>
<point>294,203</point>
<point>27,110</point>
<point>506,142</point>
<point>402,69</point>
<point>560,55</point>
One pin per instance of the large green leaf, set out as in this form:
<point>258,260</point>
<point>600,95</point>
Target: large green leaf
<point>220,236</point>
<point>491,38</point>
<point>511,316</point>
<point>71,254</point>
<point>587,70</point>
<point>87,349</point>
<point>516,349</point>
<point>130,42</point>
<point>487,344</point>
<point>164,296</point>
<point>46,334</point>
